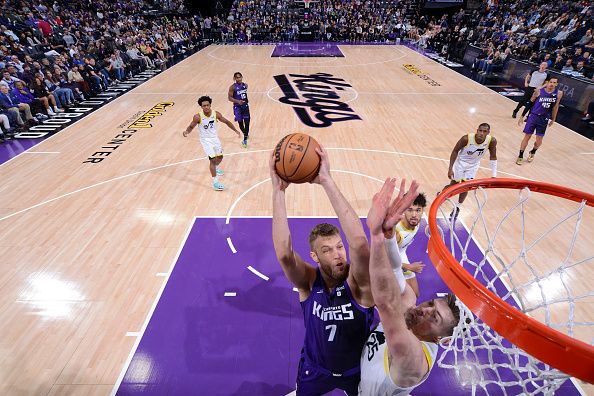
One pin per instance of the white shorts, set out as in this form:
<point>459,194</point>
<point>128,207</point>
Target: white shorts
<point>462,173</point>
<point>212,147</point>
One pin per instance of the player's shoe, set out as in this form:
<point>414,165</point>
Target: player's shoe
<point>519,161</point>
<point>218,186</point>
<point>530,157</point>
<point>244,143</point>
<point>220,172</point>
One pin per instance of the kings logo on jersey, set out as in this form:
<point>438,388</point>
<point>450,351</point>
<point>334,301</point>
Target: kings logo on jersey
<point>340,312</point>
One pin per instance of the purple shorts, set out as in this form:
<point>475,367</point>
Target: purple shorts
<point>242,112</point>
<point>313,382</point>
<point>536,123</point>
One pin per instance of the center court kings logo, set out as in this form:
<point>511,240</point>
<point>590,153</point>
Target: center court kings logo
<point>318,99</point>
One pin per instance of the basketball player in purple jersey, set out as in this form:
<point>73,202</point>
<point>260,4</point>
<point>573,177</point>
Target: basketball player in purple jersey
<point>544,111</point>
<point>238,95</point>
<point>335,297</point>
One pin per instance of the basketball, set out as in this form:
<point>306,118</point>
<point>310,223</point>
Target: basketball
<point>296,159</point>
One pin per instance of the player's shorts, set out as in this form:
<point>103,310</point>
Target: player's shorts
<point>212,147</point>
<point>536,123</point>
<point>241,112</point>
<point>313,381</point>
<point>462,173</point>
<point>408,274</point>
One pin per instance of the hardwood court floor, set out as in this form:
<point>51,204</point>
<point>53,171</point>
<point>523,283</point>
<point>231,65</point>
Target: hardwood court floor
<point>84,245</point>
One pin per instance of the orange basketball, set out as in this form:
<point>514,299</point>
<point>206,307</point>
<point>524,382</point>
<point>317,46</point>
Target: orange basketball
<point>296,160</point>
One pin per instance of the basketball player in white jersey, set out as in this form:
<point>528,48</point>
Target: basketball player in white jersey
<point>405,232</point>
<point>466,157</point>
<point>401,351</point>
<point>208,119</point>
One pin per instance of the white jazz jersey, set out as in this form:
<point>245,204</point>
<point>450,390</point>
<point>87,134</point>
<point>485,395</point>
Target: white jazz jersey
<point>375,375</point>
<point>209,137</point>
<point>469,157</point>
<point>208,125</point>
<point>406,238</point>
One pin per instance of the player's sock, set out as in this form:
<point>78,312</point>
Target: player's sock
<point>533,151</point>
<point>241,127</point>
<point>521,154</point>
<point>215,179</point>
<point>246,130</point>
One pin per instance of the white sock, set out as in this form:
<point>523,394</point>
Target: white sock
<point>215,180</point>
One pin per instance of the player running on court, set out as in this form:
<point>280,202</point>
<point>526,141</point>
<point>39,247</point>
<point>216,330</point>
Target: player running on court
<point>241,108</point>
<point>208,119</point>
<point>466,157</point>
<point>544,112</point>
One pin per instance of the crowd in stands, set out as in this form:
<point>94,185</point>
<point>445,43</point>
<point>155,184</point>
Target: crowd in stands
<point>54,54</point>
<point>329,20</point>
<point>559,33</point>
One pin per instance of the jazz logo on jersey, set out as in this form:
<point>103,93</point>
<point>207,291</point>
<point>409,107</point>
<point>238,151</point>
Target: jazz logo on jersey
<point>340,312</point>
<point>209,125</point>
<point>318,103</point>
<point>478,152</point>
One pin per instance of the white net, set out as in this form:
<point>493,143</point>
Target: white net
<point>548,290</point>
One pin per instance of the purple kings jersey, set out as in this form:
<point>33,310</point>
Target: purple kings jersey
<point>240,92</point>
<point>543,106</point>
<point>336,328</point>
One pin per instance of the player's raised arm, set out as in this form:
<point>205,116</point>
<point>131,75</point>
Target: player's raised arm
<point>461,143</point>
<point>408,364</point>
<point>350,224</point>
<point>227,122</point>
<point>195,121</point>
<point>299,273</point>
<point>394,214</point>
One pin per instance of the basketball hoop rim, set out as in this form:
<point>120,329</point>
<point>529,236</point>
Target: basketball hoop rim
<point>550,346</point>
